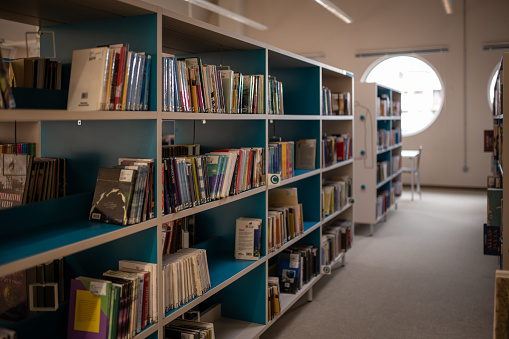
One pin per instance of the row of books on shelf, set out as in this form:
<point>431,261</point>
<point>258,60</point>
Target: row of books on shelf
<point>191,86</point>
<point>494,181</point>
<point>387,138</point>
<point>336,148</point>
<point>25,179</point>
<point>336,103</point>
<point>281,158</point>
<point>35,72</point>
<point>493,143</point>
<point>273,301</point>
<point>285,217</point>
<point>275,97</point>
<point>335,194</point>
<point>38,288</point>
<point>177,234</point>
<point>297,265</point>
<point>189,329</point>
<point>387,107</point>
<point>194,180</point>
<point>124,302</point>
<point>185,277</point>
<point>19,148</point>
<point>385,198</point>
<point>111,78</point>
<point>123,194</point>
<point>336,238</point>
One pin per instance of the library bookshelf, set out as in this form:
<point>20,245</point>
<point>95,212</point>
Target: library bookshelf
<point>37,233</point>
<point>377,152</point>
<point>497,214</point>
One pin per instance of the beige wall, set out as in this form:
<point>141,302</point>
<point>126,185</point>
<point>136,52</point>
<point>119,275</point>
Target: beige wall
<point>305,27</point>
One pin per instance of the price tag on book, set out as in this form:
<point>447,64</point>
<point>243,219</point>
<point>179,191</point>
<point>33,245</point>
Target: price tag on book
<point>126,175</point>
<point>98,288</point>
<point>275,179</point>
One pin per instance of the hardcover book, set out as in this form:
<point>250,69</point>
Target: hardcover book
<point>113,195</point>
<point>89,308</point>
<point>87,86</point>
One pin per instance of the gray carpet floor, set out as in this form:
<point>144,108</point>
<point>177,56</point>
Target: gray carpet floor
<point>421,275</point>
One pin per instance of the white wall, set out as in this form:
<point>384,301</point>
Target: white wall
<point>303,27</point>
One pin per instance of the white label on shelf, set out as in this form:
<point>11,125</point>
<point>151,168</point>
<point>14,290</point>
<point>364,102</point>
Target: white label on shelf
<point>274,179</point>
<point>126,175</point>
<point>98,287</point>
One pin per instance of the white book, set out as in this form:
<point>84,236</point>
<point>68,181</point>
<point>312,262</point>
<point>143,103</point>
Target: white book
<point>87,86</point>
<point>248,238</point>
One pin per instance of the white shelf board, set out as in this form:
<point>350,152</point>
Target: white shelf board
<point>212,204</point>
<point>75,247</point>
<point>287,300</point>
<point>65,115</point>
<point>210,116</point>
<point>327,269</point>
<point>293,241</point>
<point>335,214</point>
<point>337,165</point>
<point>227,328</point>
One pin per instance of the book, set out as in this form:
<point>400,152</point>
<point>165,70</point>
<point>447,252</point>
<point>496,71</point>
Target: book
<point>152,290</point>
<point>13,299</point>
<point>14,170</point>
<point>112,196</point>
<point>305,154</point>
<point>492,240</point>
<point>89,308</point>
<point>248,238</point>
<point>87,86</point>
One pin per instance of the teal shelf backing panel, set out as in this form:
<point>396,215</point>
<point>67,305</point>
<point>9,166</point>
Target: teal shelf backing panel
<point>55,235</point>
<point>382,90</point>
<point>248,62</point>
<point>220,134</point>
<point>314,239</point>
<point>245,298</point>
<point>309,224</point>
<point>96,144</point>
<point>301,89</point>
<point>94,262</point>
<point>221,221</point>
<point>140,32</point>
<point>294,130</point>
<point>35,216</point>
<point>308,193</point>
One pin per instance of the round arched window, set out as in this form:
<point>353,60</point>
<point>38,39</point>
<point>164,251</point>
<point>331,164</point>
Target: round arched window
<point>491,85</point>
<point>420,86</point>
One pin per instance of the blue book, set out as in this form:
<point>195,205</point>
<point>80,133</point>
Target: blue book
<point>146,83</point>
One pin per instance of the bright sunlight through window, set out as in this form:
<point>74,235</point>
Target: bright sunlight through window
<point>420,87</point>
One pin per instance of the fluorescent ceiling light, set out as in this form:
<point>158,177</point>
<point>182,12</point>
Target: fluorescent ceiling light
<point>229,14</point>
<point>448,6</point>
<point>335,10</point>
